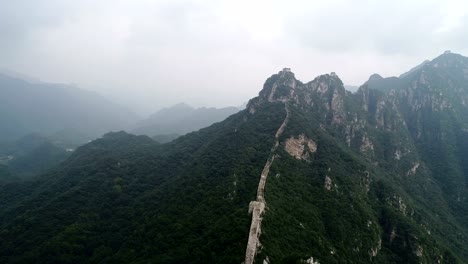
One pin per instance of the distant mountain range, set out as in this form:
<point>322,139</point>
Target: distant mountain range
<point>181,119</point>
<point>351,88</point>
<point>36,107</point>
<point>75,116</point>
<point>42,122</point>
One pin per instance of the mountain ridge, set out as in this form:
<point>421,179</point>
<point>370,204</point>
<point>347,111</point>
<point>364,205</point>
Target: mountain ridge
<point>377,176</point>
<point>181,119</point>
<point>38,107</point>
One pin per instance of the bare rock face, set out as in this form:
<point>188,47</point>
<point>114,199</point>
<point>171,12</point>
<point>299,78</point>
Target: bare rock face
<point>296,147</point>
<point>311,261</point>
<point>252,110</point>
<point>398,202</point>
<point>337,107</point>
<point>375,251</point>
<point>280,87</point>
<point>328,183</point>
<point>413,170</point>
<point>366,180</point>
<point>322,88</point>
<point>397,154</point>
<point>367,147</point>
<point>419,251</point>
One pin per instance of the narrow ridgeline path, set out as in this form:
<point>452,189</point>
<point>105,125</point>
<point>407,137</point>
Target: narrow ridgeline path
<point>257,207</point>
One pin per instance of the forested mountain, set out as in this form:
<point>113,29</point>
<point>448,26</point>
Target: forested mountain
<point>181,119</point>
<point>30,155</point>
<point>7,175</point>
<point>35,107</point>
<point>307,173</point>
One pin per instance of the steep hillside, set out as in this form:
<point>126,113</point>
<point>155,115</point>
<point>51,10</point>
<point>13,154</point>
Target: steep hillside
<point>351,174</point>
<point>111,195</point>
<point>307,173</point>
<point>31,155</point>
<point>7,175</point>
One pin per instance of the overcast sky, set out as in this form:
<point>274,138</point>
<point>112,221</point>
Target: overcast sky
<point>151,54</point>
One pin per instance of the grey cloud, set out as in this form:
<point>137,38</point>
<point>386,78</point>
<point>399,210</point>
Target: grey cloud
<point>17,20</point>
<point>150,54</point>
<point>396,27</point>
<point>457,38</point>
<point>185,25</point>
<point>20,19</point>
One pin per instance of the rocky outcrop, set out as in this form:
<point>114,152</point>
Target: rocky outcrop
<point>384,125</point>
<point>328,183</point>
<point>300,147</point>
<point>413,169</point>
<point>311,261</point>
<point>419,251</point>
<point>375,251</point>
<point>367,147</point>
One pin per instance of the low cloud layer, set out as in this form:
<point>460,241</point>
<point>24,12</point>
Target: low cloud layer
<point>150,54</point>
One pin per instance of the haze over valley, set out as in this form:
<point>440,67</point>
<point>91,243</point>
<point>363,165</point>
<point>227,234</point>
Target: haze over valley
<point>239,132</point>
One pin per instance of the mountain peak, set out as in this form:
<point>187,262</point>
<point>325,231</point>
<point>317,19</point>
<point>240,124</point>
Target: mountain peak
<point>449,53</point>
<point>181,106</point>
<point>331,76</point>
<point>286,72</point>
<point>449,59</point>
<point>375,77</point>
<point>279,86</point>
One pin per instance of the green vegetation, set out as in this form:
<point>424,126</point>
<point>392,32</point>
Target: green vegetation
<point>386,184</point>
<point>124,198</point>
<point>7,175</point>
<point>31,155</point>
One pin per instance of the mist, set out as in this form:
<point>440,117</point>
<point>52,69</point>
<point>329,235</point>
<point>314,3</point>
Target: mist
<point>152,54</point>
